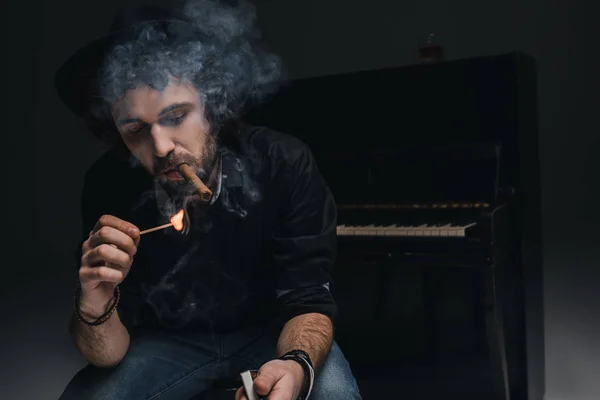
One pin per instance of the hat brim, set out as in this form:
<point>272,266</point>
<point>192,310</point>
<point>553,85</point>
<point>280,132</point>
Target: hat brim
<point>76,81</point>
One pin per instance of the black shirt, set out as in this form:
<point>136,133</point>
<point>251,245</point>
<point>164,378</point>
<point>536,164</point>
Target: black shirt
<point>263,250</point>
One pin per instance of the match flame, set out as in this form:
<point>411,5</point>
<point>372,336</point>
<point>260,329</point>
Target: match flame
<point>177,220</point>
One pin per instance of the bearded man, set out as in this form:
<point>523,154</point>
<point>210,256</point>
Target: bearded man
<point>245,286</point>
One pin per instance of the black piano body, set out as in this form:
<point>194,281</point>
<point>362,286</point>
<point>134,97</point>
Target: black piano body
<point>435,171</point>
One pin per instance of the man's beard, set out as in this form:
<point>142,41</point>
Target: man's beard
<point>182,189</point>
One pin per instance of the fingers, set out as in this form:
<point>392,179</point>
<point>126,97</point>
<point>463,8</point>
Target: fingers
<point>113,236</point>
<point>277,380</point>
<point>107,254</point>
<point>272,382</point>
<point>112,242</point>
<point>100,274</point>
<point>265,381</point>
<point>279,393</point>
<point>118,224</point>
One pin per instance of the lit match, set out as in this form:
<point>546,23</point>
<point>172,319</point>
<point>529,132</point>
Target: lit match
<point>176,222</point>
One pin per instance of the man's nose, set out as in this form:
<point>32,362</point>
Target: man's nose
<point>161,141</point>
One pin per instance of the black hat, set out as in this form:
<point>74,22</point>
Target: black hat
<point>76,79</point>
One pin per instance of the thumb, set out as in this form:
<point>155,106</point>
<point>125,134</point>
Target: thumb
<point>265,380</point>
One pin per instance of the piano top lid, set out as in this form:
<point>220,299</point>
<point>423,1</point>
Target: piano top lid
<point>468,63</point>
<point>471,98</point>
<point>476,100</point>
<point>435,174</point>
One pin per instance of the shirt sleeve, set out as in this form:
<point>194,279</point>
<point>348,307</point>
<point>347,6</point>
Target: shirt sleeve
<point>94,204</point>
<point>304,241</point>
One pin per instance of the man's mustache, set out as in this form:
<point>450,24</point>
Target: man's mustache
<point>165,164</point>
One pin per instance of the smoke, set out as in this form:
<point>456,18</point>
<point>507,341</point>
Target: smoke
<point>173,297</point>
<point>217,50</point>
<point>187,292</point>
<point>240,187</point>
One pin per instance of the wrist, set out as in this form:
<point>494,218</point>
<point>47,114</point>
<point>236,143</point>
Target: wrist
<point>93,311</point>
<point>302,360</point>
<point>298,372</point>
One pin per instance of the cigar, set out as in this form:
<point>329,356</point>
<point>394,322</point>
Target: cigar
<point>188,173</point>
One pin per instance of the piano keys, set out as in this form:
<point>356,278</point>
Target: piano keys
<point>424,230</point>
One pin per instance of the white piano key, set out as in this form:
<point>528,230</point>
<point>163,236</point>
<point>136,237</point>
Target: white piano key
<point>370,230</point>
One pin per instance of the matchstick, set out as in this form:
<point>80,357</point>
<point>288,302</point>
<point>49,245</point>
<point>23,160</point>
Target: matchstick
<point>156,228</point>
<point>188,173</point>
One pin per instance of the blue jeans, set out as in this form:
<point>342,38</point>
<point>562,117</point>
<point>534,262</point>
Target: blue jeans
<point>162,365</point>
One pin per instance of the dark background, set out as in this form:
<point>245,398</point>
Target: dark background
<point>46,152</point>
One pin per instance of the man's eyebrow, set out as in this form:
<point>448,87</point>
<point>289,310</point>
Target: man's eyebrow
<point>164,111</point>
<point>126,121</point>
<point>173,107</point>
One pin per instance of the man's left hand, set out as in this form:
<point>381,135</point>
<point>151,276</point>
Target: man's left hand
<point>278,379</point>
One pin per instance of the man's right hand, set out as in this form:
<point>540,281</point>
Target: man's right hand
<point>107,255</point>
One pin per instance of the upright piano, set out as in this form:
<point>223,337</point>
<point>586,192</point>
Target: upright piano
<point>435,172</point>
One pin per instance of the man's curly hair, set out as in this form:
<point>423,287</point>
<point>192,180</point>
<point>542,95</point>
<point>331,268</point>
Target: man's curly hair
<point>215,48</point>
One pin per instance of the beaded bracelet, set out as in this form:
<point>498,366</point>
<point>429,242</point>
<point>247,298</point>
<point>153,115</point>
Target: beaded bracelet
<point>104,317</point>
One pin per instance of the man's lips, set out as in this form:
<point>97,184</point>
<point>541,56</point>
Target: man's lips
<point>172,174</point>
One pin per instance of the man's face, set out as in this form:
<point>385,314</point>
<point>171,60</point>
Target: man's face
<point>163,129</point>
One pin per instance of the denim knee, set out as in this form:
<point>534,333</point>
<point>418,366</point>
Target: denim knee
<point>93,383</point>
<point>334,380</point>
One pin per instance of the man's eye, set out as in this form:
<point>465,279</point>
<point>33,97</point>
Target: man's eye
<point>137,128</point>
<point>174,119</point>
